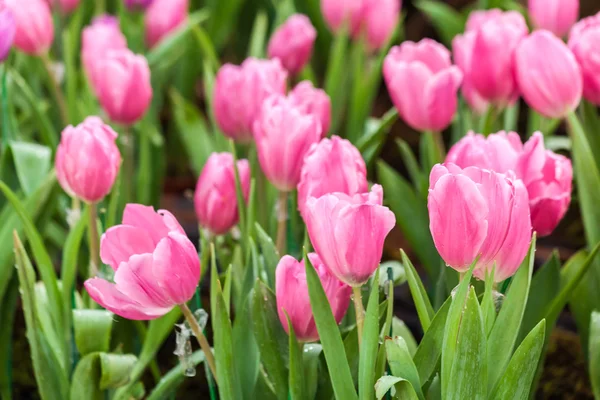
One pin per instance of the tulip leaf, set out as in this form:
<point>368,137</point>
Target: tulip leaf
<point>92,323</point>
<point>428,353</point>
<point>247,359</point>
<point>333,347</point>
<point>506,329</point>
<point>310,359</point>
<point>97,372</point>
<point>269,251</point>
<point>336,77</point>
<point>258,36</point>
<point>414,169</point>
<point>296,380</point>
<point>402,364</point>
<point>419,295</point>
<point>488,306</point>
<point>8,308</point>
<point>168,384</point>
<point>399,328</point>
<point>595,353</point>
<point>373,139</point>
<point>447,21</point>
<point>32,163</point>
<point>402,388</point>
<point>515,382</point>
<point>369,345</point>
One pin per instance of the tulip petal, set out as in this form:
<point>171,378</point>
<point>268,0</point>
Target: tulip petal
<point>440,98</point>
<point>144,217</point>
<point>121,242</point>
<point>136,280</point>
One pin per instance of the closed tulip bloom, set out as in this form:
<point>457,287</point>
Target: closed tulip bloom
<point>88,160</point>
<point>35,29</point>
<point>499,152</point>
<point>164,17</point>
<point>462,50</point>
<point>496,36</point>
<point>123,86</point>
<point>583,42</point>
<point>291,291</point>
<point>66,6</point>
<point>340,13</point>
<point>7,30</point>
<point>156,266</point>
<point>283,136</point>
<point>332,165</point>
<point>293,43</point>
<point>215,198</point>
<point>556,16</point>
<point>423,84</point>
<point>548,75</point>
<point>137,4</point>
<point>381,17</point>
<point>348,232</point>
<point>311,100</point>
<point>240,91</point>
<point>476,212</point>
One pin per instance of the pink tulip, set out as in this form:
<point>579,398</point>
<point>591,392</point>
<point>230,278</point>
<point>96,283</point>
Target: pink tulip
<point>475,212</point>
<point>88,160</point>
<point>97,40</point>
<point>215,197</point>
<point>137,4</point>
<point>35,29</point>
<point>338,13</point>
<point>548,75</point>
<point>123,86</point>
<point>283,136</point>
<point>423,83</point>
<point>462,49</point>
<point>583,42</point>
<point>292,296</point>
<point>499,152</point>
<point>240,91</point>
<point>7,31</point>
<point>557,16</point>
<point>164,17</point>
<point>496,35</point>
<point>348,232</point>
<point>66,6</point>
<point>332,165</point>
<point>293,43</point>
<point>313,101</point>
<point>156,266</point>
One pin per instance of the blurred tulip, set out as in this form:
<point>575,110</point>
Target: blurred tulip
<point>240,91</point>
<point>423,83</point>
<point>215,198</point>
<point>348,232</point>
<point>66,6</point>
<point>123,86</point>
<point>475,212</point>
<point>548,75</point>
<point>496,35</point>
<point>332,165</point>
<point>292,296</point>
<point>556,16</point>
<point>337,13</point>
<point>137,4</point>
<point>88,160</point>
<point>462,50</point>
<point>283,136</point>
<point>313,101</point>
<point>156,266</point>
<point>164,17</point>
<point>97,40</point>
<point>35,29</point>
<point>583,42</point>
<point>7,31</point>
<point>293,43</point>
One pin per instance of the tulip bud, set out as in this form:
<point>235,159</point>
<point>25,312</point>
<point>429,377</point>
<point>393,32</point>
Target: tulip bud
<point>498,152</point>
<point>556,16</point>
<point>35,29</point>
<point>123,86</point>
<point>423,83</point>
<point>476,212</point>
<point>215,198</point>
<point>163,17</point>
<point>66,6</point>
<point>348,232</point>
<point>338,13</point>
<point>283,136</point>
<point>332,165</point>
<point>291,291</point>
<point>293,43</point>
<point>137,4</point>
<point>7,31</point>
<point>548,75</point>
<point>88,160</point>
<point>240,91</point>
<point>313,101</point>
<point>156,266</point>
<point>583,42</point>
<point>462,50</point>
<point>381,17</point>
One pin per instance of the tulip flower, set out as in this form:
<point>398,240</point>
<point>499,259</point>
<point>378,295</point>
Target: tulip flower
<point>556,16</point>
<point>332,165</point>
<point>130,74</point>
<point>291,291</point>
<point>88,160</point>
<point>215,198</point>
<point>583,42</point>
<point>34,26</point>
<point>548,75</point>
<point>479,213</point>
<point>164,17</point>
<point>338,13</point>
<point>313,101</point>
<point>423,84</point>
<point>498,152</point>
<point>462,50</point>
<point>292,43</point>
<point>7,31</point>
<point>66,6</point>
<point>240,91</point>
<point>137,4</point>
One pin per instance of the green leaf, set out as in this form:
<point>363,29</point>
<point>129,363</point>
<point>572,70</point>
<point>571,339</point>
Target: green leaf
<point>336,76</point>
<point>168,384</point>
<point>488,306</point>
<point>369,345</point>
<point>333,347</point>
<point>296,380</point>
<point>401,387</point>
<point>419,295</point>
<point>504,334</point>
<point>447,21</point>
<point>595,353</point>
<point>258,37</point>
<point>247,360</point>
<point>8,308</point>
<point>401,363</point>
<point>32,163</point>
<point>269,252</point>
<point>428,353</point>
<point>414,170</point>
<point>310,359</point>
<point>97,372</point>
<point>206,46</point>
<point>373,139</point>
<point>399,328</point>
<point>515,383</point>
<point>95,324</point>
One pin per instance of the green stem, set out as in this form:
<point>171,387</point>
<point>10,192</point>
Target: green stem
<point>282,222</point>
<point>210,359</point>
<point>6,133</point>
<point>56,90</point>
<point>128,164</point>
<point>100,7</point>
<point>487,123</point>
<point>360,312</point>
<point>93,240</point>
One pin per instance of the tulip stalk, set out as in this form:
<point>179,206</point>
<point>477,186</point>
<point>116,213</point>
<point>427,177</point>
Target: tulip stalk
<point>210,359</point>
<point>128,163</point>
<point>94,240</point>
<point>360,311</point>
<point>55,88</point>
<point>281,222</point>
